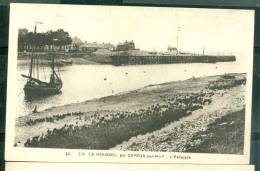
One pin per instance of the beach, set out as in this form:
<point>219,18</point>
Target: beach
<point>177,116</point>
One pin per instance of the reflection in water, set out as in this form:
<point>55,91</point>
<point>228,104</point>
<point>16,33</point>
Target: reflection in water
<point>85,82</point>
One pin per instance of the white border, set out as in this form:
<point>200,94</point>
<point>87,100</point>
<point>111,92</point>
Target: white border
<point>28,166</point>
<point>59,155</point>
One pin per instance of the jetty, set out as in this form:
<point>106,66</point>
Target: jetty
<point>121,59</point>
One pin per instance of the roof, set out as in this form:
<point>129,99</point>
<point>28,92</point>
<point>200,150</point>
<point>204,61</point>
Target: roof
<point>97,45</point>
<point>126,42</point>
<point>172,48</point>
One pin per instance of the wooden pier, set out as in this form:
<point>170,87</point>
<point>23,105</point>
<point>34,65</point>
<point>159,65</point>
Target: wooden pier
<point>169,59</point>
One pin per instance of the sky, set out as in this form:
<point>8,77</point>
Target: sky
<point>215,30</point>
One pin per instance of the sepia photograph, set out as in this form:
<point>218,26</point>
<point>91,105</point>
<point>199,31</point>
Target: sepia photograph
<point>129,84</point>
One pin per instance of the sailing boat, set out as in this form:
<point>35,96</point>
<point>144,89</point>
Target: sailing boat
<point>34,87</point>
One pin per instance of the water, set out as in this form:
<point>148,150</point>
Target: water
<point>85,82</point>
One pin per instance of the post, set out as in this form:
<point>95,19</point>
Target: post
<point>177,41</point>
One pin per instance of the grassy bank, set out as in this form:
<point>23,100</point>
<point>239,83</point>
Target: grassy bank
<point>137,120</point>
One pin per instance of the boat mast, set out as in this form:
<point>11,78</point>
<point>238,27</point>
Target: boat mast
<point>36,57</point>
<point>52,63</point>
<point>52,58</point>
<point>37,65</point>
<point>31,65</point>
<point>32,56</point>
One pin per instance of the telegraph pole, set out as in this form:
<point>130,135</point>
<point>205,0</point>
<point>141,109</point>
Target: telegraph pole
<point>177,41</point>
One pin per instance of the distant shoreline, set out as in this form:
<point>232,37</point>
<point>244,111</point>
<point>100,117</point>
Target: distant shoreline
<point>133,57</point>
<point>75,58</point>
<point>115,121</point>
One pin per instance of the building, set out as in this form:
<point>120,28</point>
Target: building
<point>127,45</point>
<point>172,50</point>
<point>92,47</point>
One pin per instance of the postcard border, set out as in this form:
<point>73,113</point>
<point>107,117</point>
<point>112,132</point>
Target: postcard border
<point>59,155</point>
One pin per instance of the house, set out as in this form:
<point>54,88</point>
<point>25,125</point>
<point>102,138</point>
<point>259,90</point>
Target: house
<point>92,47</point>
<point>126,46</point>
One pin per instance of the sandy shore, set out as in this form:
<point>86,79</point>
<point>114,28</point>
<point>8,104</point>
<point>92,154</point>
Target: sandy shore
<point>175,116</point>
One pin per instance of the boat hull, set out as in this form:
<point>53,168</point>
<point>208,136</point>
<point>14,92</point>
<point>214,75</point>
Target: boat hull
<point>38,91</point>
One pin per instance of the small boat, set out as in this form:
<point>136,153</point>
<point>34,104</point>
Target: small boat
<point>36,88</point>
<point>64,61</point>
